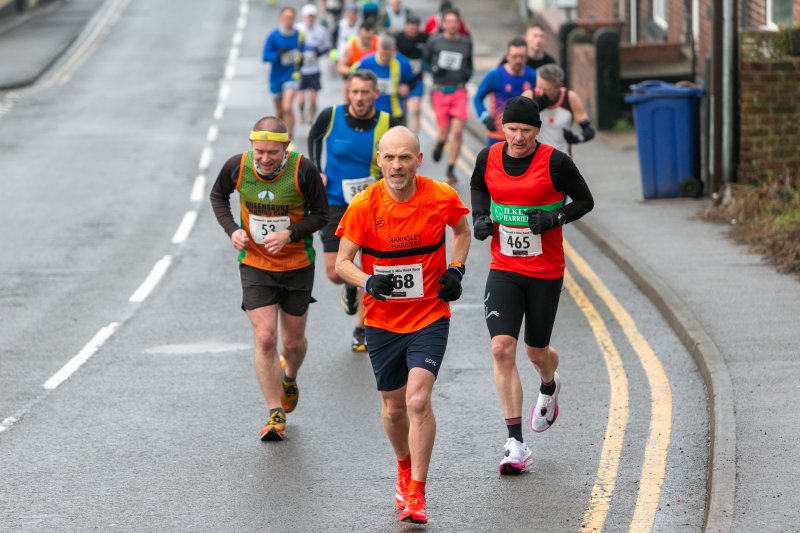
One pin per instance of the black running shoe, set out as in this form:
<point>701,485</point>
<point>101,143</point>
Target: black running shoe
<point>437,152</point>
<point>359,339</point>
<point>349,299</point>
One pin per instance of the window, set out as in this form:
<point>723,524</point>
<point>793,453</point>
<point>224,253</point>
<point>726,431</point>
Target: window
<point>660,12</point>
<point>779,13</point>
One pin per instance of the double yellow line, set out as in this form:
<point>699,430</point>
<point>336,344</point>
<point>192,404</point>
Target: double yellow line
<point>655,453</point>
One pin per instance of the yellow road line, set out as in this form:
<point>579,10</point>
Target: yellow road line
<point>655,455</point>
<point>594,516</point>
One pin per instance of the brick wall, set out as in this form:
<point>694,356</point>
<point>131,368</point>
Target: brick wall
<point>753,13</point>
<point>599,9</point>
<point>769,111</point>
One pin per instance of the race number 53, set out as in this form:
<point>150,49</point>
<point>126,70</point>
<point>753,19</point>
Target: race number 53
<point>260,227</point>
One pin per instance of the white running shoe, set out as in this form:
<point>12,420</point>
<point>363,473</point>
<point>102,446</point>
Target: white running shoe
<point>517,458</point>
<point>545,411</point>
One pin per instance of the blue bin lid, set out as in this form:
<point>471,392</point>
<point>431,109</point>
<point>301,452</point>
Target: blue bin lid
<point>652,89</point>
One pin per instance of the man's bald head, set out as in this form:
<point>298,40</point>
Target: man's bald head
<point>398,135</point>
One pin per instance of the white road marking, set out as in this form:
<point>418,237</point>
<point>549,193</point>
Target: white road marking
<point>152,279</point>
<point>219,111</point>
<point>213,133</point>
<point>198,188</point>
<point>7,423</point>
<point>86,352</point>
<point>205,158</point>
<point>185,227</point>
<point>197,348</point>
<point>224,92</point>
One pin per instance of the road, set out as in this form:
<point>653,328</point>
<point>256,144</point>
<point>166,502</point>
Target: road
<point>127,395</point>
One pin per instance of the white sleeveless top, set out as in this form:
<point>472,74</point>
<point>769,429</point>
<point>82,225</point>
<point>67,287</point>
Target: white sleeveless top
<point>555,119</point>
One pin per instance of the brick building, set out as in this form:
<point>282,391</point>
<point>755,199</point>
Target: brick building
<point>674,41</point>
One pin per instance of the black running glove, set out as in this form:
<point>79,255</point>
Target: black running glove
<point>451,284</point>
<point>379,286</point>
<point>542,101</point>
<point>571,138</point>
<point>489,122</point>
<point>482,227</point>
<point>540,221</point>
<point>587,133</point>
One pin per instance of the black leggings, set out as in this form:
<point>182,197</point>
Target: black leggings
<point>510,296</point>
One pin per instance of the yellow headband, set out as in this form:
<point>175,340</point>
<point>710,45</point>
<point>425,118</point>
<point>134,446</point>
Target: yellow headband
<point>269,136</point>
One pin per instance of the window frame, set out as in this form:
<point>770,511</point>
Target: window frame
<point>659,13</point>
<point>772,24</point>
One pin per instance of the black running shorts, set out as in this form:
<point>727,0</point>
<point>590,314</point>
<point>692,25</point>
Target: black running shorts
<point>291,289</point>
<point>394,354</point>
<point>310,82</point>
<point>509,296</point>
<point>330,242</point>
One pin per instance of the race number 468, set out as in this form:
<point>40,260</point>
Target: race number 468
<point>407,280</point>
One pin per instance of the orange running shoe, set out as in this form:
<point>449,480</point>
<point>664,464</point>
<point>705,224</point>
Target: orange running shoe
<point>401,487</point>
<point>275,429</point>
<point>415,509</point>
<point>289,392</point>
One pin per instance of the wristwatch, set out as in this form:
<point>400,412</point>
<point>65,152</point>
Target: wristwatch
<point>459,266</point>
<point>561,218</point>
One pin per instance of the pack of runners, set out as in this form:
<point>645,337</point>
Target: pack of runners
<point>383,226</point>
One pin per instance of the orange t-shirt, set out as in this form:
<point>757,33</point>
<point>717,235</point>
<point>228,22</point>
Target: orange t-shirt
<point>406,240</point>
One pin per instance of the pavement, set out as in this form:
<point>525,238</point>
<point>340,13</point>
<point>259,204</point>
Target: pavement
<point>735,314</point>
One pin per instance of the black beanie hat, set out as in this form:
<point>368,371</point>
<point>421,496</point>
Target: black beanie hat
<point>523,110</point>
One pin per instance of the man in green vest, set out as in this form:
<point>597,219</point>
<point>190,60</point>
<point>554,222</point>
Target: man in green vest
<point>282,203</point>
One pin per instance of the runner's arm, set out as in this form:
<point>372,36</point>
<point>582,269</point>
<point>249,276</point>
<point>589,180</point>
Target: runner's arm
<point>462,236</point>
<point>567,178</point>
<point>468,67</point>
<point>488,85</point>
<point>271,50</point>
<point>479,192</point>
<point>316,136</point>
<point>345,264</point>
<point>316,202</point>
<point>221,191</point>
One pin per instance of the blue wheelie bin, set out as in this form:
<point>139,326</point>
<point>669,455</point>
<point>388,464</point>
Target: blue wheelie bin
<point>665,116</point>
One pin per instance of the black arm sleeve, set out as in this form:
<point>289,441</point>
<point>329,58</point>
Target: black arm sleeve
<point>221,191</point>
<point>567,178</point>
<point>479,192</point>
<point>316,135</point>
<point>316,201</point>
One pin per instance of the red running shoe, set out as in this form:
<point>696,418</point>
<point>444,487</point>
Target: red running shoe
<point>415,509</point>
<point>401,487</point>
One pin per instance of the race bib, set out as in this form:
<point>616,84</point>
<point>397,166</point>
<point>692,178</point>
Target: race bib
<point>309,58</point>
<point>385,86</point>
<point>407,280</point>
<point>260,227</point>
<point>289,57</point>
<point>449,60</point>
<point>519,242</point>
<point>354,186</point>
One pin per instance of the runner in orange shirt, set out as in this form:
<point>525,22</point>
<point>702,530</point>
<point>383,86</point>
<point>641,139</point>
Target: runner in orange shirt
<point>399,226</point>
